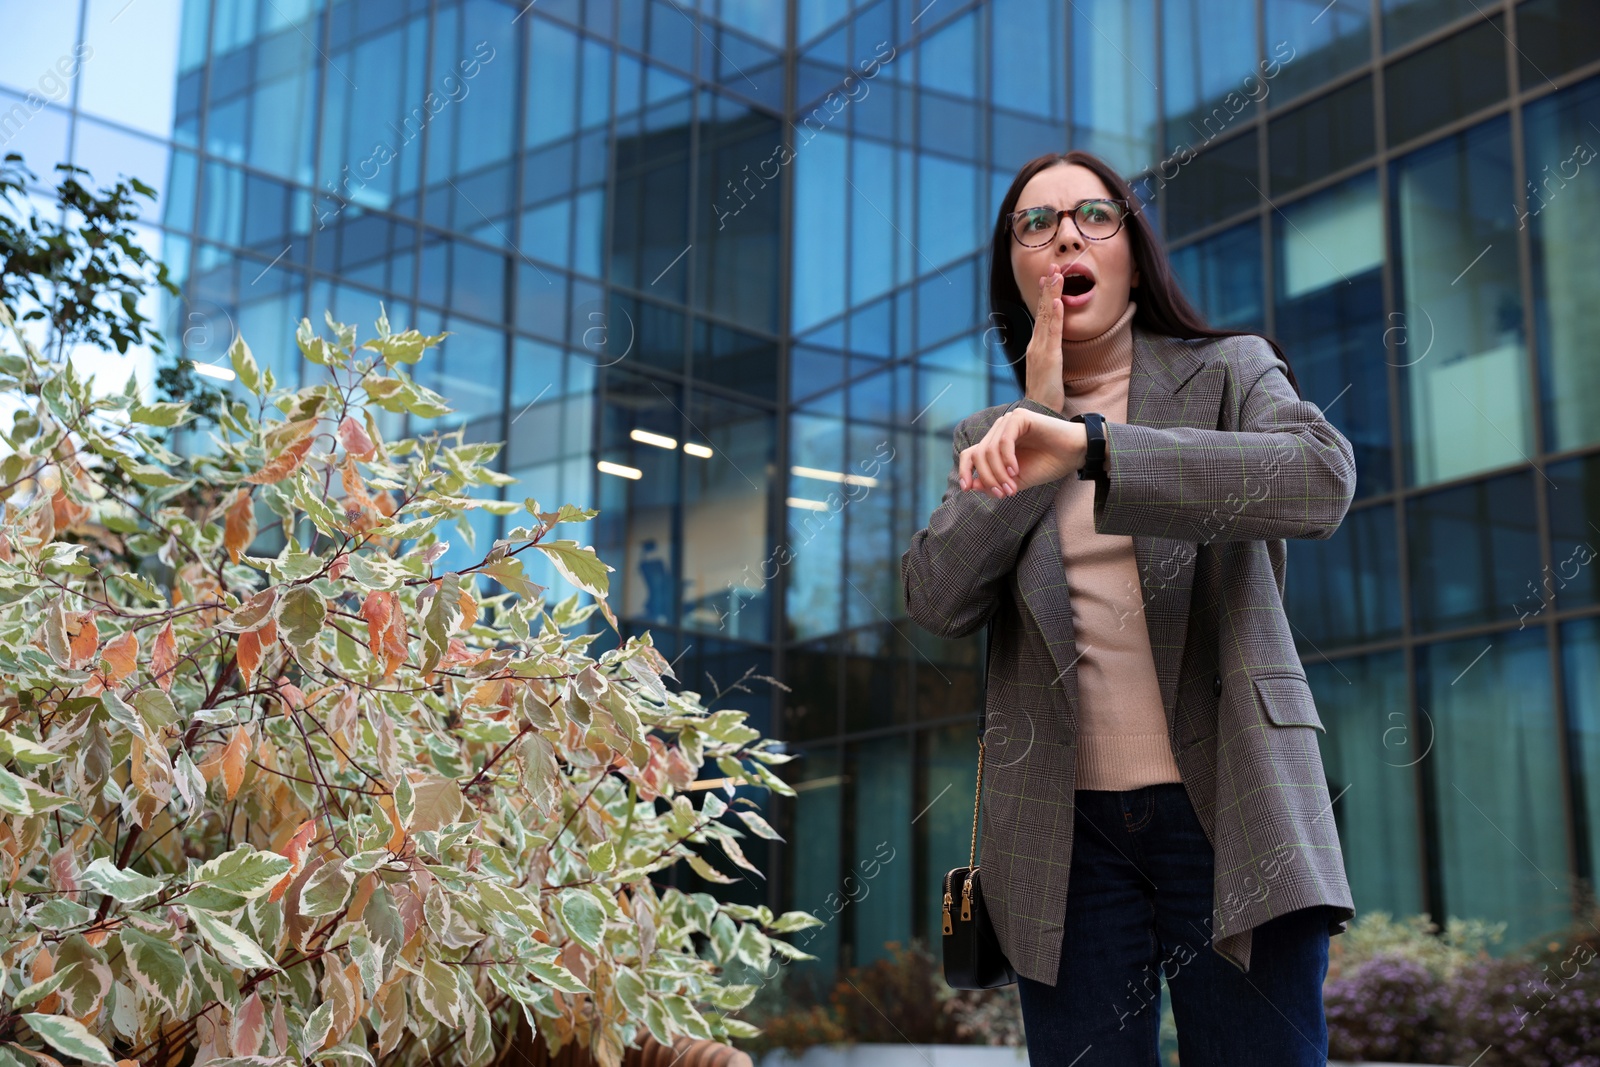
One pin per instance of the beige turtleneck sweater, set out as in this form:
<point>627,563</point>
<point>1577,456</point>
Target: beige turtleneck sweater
<point>1122,722</point>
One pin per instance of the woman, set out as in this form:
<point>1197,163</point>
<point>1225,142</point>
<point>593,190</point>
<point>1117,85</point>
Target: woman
<point>1151,735</point>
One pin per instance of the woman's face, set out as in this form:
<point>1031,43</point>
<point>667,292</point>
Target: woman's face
<point>1091,303</point>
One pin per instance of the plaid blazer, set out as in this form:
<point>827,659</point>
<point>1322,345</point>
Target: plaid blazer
<point>1218,462</point>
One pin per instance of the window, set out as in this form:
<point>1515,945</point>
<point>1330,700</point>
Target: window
<point>1342,591</point>
<point>1497,781</point>
<point>1329,311</point>
<point>1222,276</point>
<point>1325,136</point>
<point>1562,215</point>
<point>1327,38</point>
<point>1446,81</point>
<point>1458,334</point>
<point>1368,758</point>
<point>1473,550</point>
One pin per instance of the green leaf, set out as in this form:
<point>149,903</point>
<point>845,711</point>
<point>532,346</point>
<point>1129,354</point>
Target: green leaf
<point>39,990</point>
<point>437,992</point>
<point>508,572</point>
<point>301,613</point>
<point>158,967</point>
<point>556,976</point>
<point>19,796</point>
<point>244,872</point>
<point>790,921</point>
<point>444,614</point>
<point>145,474</point>
<point>326,890</point>
<point>631,991</point>
<point>578,565</point>
<point>244,365</point>
<point>163,414</point>
<point>582,915</point>
<point>233,946</point>
<point>70,1038</point>
<point>30,753</point>
<point>127,887</point>
<point>684,1014</point>
<point>122,714</point>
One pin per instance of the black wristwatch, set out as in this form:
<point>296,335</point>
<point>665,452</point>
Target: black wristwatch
<point>1094,463</point>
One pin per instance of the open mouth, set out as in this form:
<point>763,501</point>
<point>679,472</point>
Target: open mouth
<point>1076,284</point>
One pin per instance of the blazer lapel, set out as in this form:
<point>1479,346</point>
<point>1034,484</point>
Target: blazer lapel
<point>1170,384</point>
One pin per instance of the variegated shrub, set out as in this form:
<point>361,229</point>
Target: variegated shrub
<point>327,802</point>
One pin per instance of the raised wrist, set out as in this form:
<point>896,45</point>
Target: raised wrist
<point>1044,409</point>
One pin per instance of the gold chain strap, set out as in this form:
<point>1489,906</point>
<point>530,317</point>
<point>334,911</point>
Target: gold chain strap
<point>972,854</point>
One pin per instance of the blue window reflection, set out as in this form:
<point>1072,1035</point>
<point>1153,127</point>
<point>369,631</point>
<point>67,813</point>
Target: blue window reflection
<point>1563,201</point>
<point>1371,754</point>
<point>1497,781</point>
<point>1464,379</point>
<point>1222,276</point>
<point>1329,294</point>
<point>1346,590</point>
<point>1474,552</point>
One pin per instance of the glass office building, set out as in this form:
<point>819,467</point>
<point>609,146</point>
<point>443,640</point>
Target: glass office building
<point>717,268</point>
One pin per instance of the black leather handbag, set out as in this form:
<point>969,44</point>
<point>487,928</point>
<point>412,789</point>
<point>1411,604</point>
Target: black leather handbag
<point>972,955</point>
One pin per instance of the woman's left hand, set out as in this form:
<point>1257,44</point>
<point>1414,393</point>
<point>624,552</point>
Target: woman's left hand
<point>1021,450</point>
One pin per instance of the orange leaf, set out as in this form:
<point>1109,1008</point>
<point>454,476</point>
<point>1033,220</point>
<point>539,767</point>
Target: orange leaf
<point>248,655</point>
<point>386,630</point>
<point>121,655</point>
<point>353,436</point>
<point>283,464</point>
<point>86,642</point>
<point>296,851</point>
<point>239,529</point>
<point>67,512</point>
<point>469,610</point>
<point>397,839</point>
<point>163,657</point>
<point>233,760</point>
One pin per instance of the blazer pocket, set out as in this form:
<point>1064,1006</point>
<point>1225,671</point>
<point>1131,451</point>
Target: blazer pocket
<point>1286,698</point>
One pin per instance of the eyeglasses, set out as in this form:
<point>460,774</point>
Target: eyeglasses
<point>1097,220</point>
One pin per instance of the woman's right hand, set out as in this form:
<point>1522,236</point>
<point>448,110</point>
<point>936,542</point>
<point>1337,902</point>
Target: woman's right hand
<point>1044,347</point>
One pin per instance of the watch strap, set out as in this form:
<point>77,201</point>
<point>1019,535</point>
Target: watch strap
<point>1094,463</point>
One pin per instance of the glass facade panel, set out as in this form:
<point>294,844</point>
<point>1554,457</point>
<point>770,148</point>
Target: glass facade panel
<point>1114,70</point>
<point>1497,775</point>
<point>1323,137</point>
<point>1580,651</point>
<point>1346,589</point>
<point>1445,81</point>
<point>1322,41</point>
<point>1572,579</point>
<point>1328,258</point>
<point>878,882</point>
<point>1562,134</point>
<point>1222,276</point>
<point>1473,550</point>
<point>1406,20</point>
<point>1215,185</point>
<point>1553,37</point>
<point>1208,50</point>
<point>816,861</point>
<point>1371,755</point>
<point>1464,378</point>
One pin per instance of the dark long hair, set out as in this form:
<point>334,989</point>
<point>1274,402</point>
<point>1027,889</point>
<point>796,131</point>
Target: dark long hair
<point>1162,307</point>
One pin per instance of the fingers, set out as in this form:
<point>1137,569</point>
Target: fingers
<point>985,465</point>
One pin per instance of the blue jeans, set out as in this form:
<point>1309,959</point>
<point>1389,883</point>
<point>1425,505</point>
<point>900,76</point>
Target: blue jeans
<point>1139,908</point>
